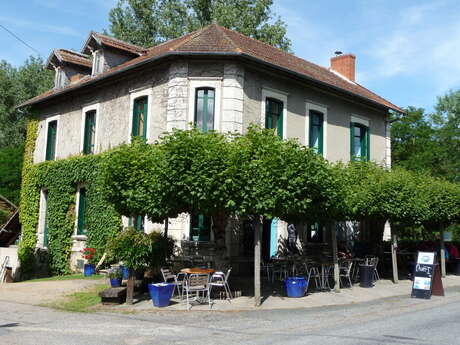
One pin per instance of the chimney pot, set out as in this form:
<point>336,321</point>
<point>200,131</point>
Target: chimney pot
<point>344,65</point>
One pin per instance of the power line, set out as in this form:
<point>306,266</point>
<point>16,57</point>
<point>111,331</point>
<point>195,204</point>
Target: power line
<point>19,39</point>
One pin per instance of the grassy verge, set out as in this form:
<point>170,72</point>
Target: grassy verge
<point>66,277</point>
<point>79,301</point>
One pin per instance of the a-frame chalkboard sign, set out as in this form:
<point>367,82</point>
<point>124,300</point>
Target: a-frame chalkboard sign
<point>427,277</point>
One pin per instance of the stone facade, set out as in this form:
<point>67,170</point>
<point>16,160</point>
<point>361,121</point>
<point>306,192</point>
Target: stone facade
<point>240,98</point>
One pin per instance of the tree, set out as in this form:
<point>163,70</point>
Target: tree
<point>150,22</point>
<point>10,172</point>
<point>16,86</point>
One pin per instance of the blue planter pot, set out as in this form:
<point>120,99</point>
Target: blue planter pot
<point>89,270</point>
<point>125,271</point>
<point>161,294</point>
<point>295,286</point>
<point>115,282</point>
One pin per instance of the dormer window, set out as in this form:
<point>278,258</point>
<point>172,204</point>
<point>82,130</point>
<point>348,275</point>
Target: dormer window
<point>98,62</point>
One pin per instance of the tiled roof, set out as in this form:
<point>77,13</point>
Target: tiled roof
<point>214,39</point>
<point>70,56</point>
<point>115,43</point>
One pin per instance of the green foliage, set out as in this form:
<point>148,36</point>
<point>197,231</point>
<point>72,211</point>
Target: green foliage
<point>16,86</point>
<point>4,215</point>
<point>430,142</point>
<point>61,180</point>
<point>151,22</point>
<point>139,250</point>
<point>115,273</point>
<point>10,172</point>
<point>29,205</point>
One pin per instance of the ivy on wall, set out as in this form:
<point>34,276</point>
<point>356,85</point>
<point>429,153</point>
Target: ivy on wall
<point>61,179</point>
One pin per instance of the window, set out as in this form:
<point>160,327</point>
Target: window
<point>359,142</point>
<point>315,233</point>
<point>137,223</point>
<point>59,78</point>
<point>140,118</point>
<point>98,63</point>
<point>200,227</point>
<point>274,116</point>
<point>81,220</point>
<point>90,132</point>
<point>51,141</point>
<point>204,109</point>
<point>316,131</point>
<point>45,224</point>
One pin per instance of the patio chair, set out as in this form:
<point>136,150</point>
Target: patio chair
<point>178,280</point>
<point>313,273</point>
<point>267,268</point>
<point>196,283</point>
<point>220,279</point>
<point>279,269</point>
<point>374,261</point>
<point>345,270</point>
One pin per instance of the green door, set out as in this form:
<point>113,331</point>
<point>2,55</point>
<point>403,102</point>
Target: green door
<point>200,227</point>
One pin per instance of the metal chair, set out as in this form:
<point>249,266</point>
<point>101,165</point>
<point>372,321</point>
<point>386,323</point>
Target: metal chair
<point>196,283</point>
<point>178,280</point>
<point>374,261</point>
<point>280,269</point>
<point>313,272</point>
<point>220,279</point>
<point>345,270</point>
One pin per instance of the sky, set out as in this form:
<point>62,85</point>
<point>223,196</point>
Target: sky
<point>406,51</point>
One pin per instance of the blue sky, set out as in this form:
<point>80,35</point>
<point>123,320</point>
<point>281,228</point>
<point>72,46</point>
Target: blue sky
<point>407,51</point>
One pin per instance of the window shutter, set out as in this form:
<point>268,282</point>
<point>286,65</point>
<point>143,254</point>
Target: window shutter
<point>135,130</point>
<point>352,151</point>
<point>368,144</point>
<point>280,120</point>
<point>321,125</point>
<point>51,141</point>
<point>145,103</point>
<point>45,228</point>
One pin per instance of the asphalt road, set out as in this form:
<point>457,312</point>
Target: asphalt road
<point>390,321</point>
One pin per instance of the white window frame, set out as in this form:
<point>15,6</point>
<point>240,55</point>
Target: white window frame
<point>83,123</point>
<point>279,95</point>
<point>42,218</point>
<point>132,97</point>
<point>59,78</point>
<point>198,83</point>
<point>98,63</point>
<point>309,105</point>
<point>362,120</point>
<point>77,209</point>
<point>47,121</point>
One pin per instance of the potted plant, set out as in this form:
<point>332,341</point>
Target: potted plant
<point>89,268</point>
<point>115,276</point>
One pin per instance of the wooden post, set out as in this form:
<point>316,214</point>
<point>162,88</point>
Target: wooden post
<point>166,226</point>
<point>130,287</point>
<point>257,254</point>
<point>394,261</point>
<point>442,252</point>
<point>335,258</point>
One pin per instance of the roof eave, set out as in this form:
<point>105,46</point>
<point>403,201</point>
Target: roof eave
<point>232,54</point>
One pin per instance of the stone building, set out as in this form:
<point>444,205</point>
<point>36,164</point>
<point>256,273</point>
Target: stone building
<point>213,78</point>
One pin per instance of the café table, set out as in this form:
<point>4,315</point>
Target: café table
<point>197,270</point>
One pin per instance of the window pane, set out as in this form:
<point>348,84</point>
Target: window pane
<point>51,140</point>
<point>357,131</point>
<point>314,142</point>
<point>199,112</point>
<point>204,109</point>
<point>81,227</point>
<point>357,146</point>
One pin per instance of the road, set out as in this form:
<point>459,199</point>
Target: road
<point>399,320</point>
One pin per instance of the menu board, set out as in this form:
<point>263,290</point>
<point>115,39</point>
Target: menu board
<point>423,275</point>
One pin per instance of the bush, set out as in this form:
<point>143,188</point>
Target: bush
<point>138,250</point>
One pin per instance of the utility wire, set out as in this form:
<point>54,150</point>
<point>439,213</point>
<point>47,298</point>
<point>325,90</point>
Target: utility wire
<point>19,39</point>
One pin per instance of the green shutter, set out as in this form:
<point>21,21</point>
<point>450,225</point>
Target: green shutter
<point>280,121</point>
<point>321,129</point>
<point>270,112</point>
<point>368,144</point>
<point>135,129</point>
<point>144,134</point>
<point>140,106</point>
<point>45,228</point>
<point>200,227</point>
<point>51,141</point>
<point>81,223</point>
<point>352,133</point>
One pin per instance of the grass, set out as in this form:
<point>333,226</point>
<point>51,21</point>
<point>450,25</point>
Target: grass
<point>79,301</point>
<point>66,277</point>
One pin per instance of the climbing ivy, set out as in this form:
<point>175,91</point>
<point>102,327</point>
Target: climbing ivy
<point>62,179</point>
<point>29,205</point>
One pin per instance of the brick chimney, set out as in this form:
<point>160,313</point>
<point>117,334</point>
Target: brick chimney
<point>345,65</point>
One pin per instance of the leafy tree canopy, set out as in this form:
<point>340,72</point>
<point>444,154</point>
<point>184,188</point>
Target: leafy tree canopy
<point>150,22</point>
<point>16,86</point>
<point>10,172</point>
